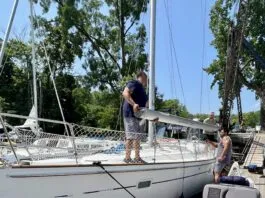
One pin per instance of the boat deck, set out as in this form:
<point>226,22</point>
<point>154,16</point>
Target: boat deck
<point>189,152</point>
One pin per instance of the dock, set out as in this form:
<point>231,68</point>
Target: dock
<point>255,156</point>
<point>258,179</point>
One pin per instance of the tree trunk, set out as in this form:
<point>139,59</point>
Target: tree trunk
<point>262,113</point>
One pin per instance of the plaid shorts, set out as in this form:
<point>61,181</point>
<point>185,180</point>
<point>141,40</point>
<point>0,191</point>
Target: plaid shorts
<point>134,128</point>
<point>219,166</point>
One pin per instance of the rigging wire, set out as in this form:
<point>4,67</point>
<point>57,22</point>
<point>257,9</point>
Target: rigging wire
<point>171,51</point>
<point>175,53</point>
<point>203,11</point>
<point>208,93</point>
<point>172,73</point>
<point>134,50</point>
<point>171,69</point>
<point>52,78</point>
<point>3,67</point>
<point>112,177</point>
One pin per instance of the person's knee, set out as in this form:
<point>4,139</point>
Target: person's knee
<point>129,143</point>
<point>136,144</point>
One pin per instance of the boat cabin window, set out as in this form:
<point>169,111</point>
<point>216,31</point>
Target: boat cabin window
<point>26,130</point>
<point>40,142</point>
<point>144,184</point>
<point>63,143</point>
<point>83,146</point>
<point>96,146</point>
<point>52,143</point>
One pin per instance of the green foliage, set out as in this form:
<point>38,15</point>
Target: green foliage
<point>2,103</point>
<point>201,117</point>
<point>14,86</point>
<point>254,30</point>
<point>173,106</point>
<point>98,109</point>
<point>106,34</point>
<point>251,119</point>
<point>253,20</point>
<point>109,39</point>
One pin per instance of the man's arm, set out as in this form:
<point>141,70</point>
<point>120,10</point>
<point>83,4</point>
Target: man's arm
<point>206,120</point>
<point>214,144</point>
<point>127,96</point>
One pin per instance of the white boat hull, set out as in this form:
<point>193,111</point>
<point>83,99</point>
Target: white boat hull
<point>168,180</point>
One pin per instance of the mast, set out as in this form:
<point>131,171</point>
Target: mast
<point>2,52</point>
<point>32,35</point>
<point>152,67</point>
<point>8,31</point>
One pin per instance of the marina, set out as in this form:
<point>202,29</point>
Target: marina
<point>110,132</point>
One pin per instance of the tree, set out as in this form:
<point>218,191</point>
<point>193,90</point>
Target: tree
<point>98,109</point>
<point>108,37</point>
<point>251,118</point>
<point>250,73</point>
<point>65,84</point>
<point>173,106</point>
<point>200,116</point>
<point>15,89</point>
<point>106,33</point>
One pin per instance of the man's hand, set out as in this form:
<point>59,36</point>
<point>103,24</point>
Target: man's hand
<point>220,159</point>
<point>136,108</point>
<point>208,141</point>
<point>155,120</point>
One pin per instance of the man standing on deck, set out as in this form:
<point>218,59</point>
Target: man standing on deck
<point>224,153</point>
<point>211,120</point>
<point>135,98</point>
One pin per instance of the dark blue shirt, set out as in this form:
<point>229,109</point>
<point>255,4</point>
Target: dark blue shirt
<point>138,95</point>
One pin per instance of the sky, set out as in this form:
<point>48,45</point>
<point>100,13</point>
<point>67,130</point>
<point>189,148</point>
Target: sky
<point>186,20</point>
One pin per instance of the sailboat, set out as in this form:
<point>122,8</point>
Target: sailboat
<point>29,125</point>
<point>174,168</point>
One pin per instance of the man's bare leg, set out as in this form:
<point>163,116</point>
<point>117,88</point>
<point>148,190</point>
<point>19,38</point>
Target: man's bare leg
<point>137,149</point>
<point>216,178</point>
<point>128,146</point>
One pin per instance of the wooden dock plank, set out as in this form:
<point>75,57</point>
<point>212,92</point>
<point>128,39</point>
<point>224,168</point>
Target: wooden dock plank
<point>258,179</point>
<point>256,151</point>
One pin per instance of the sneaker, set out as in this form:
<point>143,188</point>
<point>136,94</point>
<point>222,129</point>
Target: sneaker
<point>139,161</point>
<point>127,161</point>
